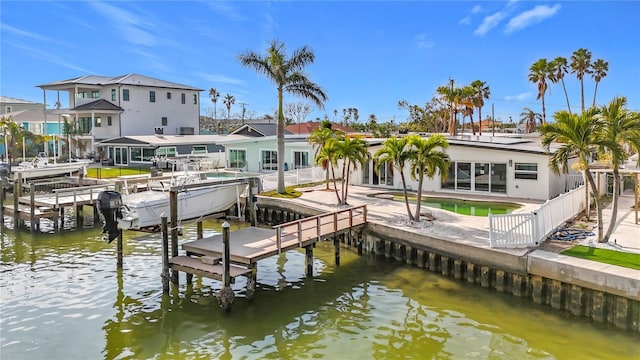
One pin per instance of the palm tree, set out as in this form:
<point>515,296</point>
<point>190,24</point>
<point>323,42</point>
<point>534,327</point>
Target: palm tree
<point>622,129</point>
<point>288,76</point>
<point>395,152</point>
<point>482,92</point>
<point>540,72</point>
<point>328,157</point>
<point>581,65</point>
<point>353,153</point>
<point>577,135</point>
<point>561,68</point>
<point>530,119</point>
<point>15,135</point>
<point>319,138</point>
<point>453,97</point>
<point>427,157</point>
<point>599,68</point>
<point>228,101</point>
<point>214,95</point>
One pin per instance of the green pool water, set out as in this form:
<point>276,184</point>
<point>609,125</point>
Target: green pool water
<point>465,207</point>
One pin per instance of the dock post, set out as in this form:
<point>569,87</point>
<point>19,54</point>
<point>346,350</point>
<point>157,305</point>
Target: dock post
<point>17,186</point>
<point>226,295</point>
<point>199,229</point>
<point>2,195</point>
<point>308,250</point>
<point>252,280</point>
<point>119,265</point>
<point>173,206</point>
<point>253,192</point>
<point>32,206</point>
<point>165,253</point>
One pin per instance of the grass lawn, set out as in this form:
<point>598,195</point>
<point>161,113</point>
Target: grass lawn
<point>110,173</point>
<point>290,192</point>
<point>628,260</point>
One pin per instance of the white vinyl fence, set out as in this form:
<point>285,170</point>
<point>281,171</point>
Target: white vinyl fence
<point>522,230</point>
<point>292,177</point>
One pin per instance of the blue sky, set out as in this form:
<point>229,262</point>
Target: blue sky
<point>369,54</point>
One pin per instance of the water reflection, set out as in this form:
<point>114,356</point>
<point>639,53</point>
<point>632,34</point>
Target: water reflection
<point>65,288</point>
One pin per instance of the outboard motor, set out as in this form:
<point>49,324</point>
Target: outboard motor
<point>109,205</point>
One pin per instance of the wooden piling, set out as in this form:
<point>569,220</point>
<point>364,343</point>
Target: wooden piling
<point>165,253</point>
<point>120,247</point>
<point>173,206</point>
<point>32,206</point>
<point>16,201</point>
<point>309,260</point>
<point>2,195</point>
<point>226,296</point>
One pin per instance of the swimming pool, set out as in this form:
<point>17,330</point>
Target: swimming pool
<point>464,207</point>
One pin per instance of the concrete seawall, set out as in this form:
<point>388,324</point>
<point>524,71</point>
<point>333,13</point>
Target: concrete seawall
<point>604,293</point>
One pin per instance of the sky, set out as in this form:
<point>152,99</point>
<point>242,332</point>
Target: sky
<point>368,54</point>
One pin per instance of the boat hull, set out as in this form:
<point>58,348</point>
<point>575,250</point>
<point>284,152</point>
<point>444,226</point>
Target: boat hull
<point>46,171</point>
<point>145,209</point>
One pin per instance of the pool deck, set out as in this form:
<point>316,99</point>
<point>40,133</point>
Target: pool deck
<point>451,229</point>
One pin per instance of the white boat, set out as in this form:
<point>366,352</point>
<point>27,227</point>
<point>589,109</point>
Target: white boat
<point>40,167</point>
<point>144,209</point>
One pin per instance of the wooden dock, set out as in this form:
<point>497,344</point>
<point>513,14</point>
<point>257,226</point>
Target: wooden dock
<point>227,256</point>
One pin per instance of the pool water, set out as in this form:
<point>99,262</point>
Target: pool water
<point>466,207</point>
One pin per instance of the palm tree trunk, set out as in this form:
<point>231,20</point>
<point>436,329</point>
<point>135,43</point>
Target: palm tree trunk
<point>406,196</point>
<point>614,205</point>
<point>597,200</point>
<point>344,169</point>
<point>480,120</point>
<point>335,184</point>
<point>346,186</point>
<point>566,95</point>
<point>419,198</point>
<point>582,93</point>
<point>326,176</point>
<point>280,138</point>
<point>595,91</point>
<point>473,129</point>
<point>544,112</point>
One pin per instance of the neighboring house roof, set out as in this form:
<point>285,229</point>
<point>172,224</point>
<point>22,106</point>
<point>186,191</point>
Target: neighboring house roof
<point>10,100</point>
<point>307,127</point>
<point>31,115</point>
<point>169,140</point>
<point>129,79</point>
<point>258,129</point>
<point>102,105</point>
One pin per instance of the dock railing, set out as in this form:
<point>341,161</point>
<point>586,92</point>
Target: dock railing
<point>523,230</point>
<point>92,190</point>
<point>317,226</point>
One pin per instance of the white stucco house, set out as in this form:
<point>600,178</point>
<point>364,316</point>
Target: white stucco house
<point>104,107</point>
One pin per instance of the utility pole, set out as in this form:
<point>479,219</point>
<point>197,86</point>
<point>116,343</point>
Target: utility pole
<point>243,104</point>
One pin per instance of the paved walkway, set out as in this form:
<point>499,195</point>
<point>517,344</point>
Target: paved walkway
<point>470,230</point>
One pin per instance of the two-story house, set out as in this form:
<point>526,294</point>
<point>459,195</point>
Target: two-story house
<point>103,107</point>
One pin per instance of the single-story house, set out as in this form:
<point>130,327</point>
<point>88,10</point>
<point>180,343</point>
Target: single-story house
<point>259,154</point>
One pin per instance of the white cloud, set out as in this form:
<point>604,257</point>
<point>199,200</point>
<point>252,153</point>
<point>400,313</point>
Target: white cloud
<point>226,10</point>
<point>422,42</point>
<point>465,20</point>
<point>530,17</point>
<point>216,78</point>
<point>133,28</point>
<point>519,97</point>
<point>489,22</point>
<point>38,53</point>
<point>476,9</point>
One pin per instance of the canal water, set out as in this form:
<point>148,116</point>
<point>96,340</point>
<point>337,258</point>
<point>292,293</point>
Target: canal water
<point>62,298</point>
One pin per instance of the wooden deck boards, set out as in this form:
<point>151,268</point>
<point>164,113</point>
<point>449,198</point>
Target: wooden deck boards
<point>197,267</point>
<point>249,245</point>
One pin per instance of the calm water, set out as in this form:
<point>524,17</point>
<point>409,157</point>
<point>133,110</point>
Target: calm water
<point>62,298</point>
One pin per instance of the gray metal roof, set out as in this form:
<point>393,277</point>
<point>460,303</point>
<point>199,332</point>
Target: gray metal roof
<point>129,79</point>
<point>102,105</point>
<point>170,140</point>
<point>10,100</point>
<point>263,129</point>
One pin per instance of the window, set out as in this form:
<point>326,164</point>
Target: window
<point>164,121</point>
<point>113,94</point>
<point>81,95</point>
<point>199,149</point>
<point>166,151</point>
<point>482,176</point>
<point>84,125</point>
<point>152,96</point>
<point>98,122</point>
<point>237,158</point>
<point>141,154</point>
<point>195,98</point>
<point>109,121</point>
<point>95,94</point>
<point>498,178</point>
<point>168,95</point>
<point>300,159</point>
<point>125,94</point>
<point>183,98</point>
<point>269,160</point>
<point>526,171</point>
<point>476,177</point>
<point>8,109</point>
